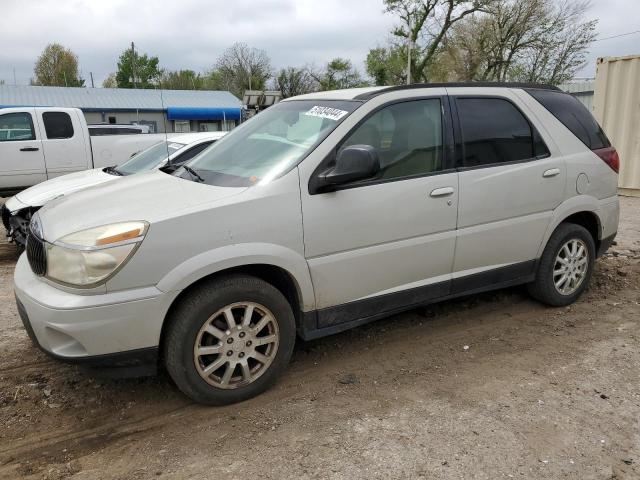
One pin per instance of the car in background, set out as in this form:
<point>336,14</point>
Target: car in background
<point>168,154</point>
<point>41,143</point>
<point>101,129</point>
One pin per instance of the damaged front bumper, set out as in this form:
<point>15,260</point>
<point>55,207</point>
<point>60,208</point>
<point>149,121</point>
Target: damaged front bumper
<point>15,218</point>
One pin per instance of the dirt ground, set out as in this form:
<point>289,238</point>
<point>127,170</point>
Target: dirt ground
<point>491,386</point>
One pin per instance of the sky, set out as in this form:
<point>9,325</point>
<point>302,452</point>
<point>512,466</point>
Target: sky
<point>193,33</point>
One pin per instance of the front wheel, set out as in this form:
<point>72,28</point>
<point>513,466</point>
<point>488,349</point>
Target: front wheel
<point>229,339</point>
<point>565,267</point>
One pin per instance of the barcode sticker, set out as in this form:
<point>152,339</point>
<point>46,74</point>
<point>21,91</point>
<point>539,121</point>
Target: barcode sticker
<point>326,112</point>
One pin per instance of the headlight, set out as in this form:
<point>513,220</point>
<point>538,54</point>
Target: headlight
<point>89,257</point>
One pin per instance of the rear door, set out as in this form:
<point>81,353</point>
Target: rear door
<point>21,156</point>
<point>64,145</point>
<point>388,242</point>
<point>511,179</point>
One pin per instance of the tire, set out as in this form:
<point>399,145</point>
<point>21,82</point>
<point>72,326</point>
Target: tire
<point>543,288</point>
<point>189,334</point>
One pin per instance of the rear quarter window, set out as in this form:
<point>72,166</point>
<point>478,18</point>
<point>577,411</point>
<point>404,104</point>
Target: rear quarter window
<point>573,115</point>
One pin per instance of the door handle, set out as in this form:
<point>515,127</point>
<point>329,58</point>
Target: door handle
<point>441,192</point>
<point>29,149</point>
<point>552,172</point>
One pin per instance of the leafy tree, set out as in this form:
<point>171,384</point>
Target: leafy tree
<point>110,81</point>
<point>293,81</point>
<point>181,80</point>
<point>57,66</point>
<point>137,71</point>
<point>240,68</point>
<point>387,65</point>
<point>339,73</point>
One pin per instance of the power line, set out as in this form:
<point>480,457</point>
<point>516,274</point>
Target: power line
<point>616,36</point>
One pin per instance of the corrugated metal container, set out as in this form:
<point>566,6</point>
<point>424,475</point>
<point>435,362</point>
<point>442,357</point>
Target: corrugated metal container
<point>616,106</point>
<point>582,90</point>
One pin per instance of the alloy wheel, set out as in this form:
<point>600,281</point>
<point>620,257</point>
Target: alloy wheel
<point>570,266</point>
<point>236,345</point>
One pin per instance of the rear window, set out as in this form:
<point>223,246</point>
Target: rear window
<point>574,115</point>
<point>57,125</point>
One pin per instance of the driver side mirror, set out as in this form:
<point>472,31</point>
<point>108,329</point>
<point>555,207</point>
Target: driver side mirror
<point>353,163</point>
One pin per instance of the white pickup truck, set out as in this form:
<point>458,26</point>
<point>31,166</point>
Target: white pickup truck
<point>38,143</point>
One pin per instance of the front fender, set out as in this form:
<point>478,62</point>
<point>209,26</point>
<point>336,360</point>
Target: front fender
<point>230,256</point>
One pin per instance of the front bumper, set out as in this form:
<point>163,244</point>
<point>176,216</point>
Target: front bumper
<point>120,329</point>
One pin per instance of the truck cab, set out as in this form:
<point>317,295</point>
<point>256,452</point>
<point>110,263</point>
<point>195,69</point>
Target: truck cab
<point>38,143</point>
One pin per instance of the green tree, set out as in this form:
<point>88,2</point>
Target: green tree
<point>181,80</point>
<point>339,73</point>
<point>387,65</point>
<point>135,70</point>
<point>57,66</point>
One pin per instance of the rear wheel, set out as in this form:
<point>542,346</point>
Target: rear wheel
<point>565,267</point>
<point>229,340</point>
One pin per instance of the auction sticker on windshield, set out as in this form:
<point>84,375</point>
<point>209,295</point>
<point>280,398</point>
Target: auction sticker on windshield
<point>326,112</point>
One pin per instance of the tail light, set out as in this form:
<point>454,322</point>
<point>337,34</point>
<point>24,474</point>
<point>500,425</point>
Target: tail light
<point>610,157</point>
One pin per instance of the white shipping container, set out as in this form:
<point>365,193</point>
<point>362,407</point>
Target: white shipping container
<point>616,106</point>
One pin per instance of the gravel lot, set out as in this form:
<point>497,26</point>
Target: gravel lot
<point>539,393</point>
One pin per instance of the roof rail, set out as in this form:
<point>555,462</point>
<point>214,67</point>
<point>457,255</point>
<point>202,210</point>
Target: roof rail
<point>369,95</point>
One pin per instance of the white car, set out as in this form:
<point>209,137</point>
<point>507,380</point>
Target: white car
<point>17,211</point>
<point>323,212</point>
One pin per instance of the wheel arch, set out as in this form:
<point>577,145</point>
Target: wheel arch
<point>581,210</point>
<point>277,276</point>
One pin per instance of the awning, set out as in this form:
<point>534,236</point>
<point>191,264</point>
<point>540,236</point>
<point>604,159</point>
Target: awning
<point>196,113</point>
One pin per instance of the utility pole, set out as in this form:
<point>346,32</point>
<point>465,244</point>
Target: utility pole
<point>133,65</point>
<point>14,76</point>
<point>92,85</point>
<point>409,53</point>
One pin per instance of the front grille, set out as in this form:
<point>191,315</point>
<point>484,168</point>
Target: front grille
<point>36,254</point>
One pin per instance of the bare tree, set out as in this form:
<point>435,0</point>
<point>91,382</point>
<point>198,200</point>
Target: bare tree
<point>528,40</point>
<point>241,68</point>
<point>292,81</point>
<point>110,81</point>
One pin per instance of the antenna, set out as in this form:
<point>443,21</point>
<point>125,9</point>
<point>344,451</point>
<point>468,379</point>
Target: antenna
<point>164,123</point>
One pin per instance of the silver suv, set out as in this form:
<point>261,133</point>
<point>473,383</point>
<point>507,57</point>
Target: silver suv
<point>322,213</point>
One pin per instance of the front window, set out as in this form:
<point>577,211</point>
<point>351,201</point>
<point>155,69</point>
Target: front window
<point>16,126</point>
<point>149,158</point>
<point>270,143</point>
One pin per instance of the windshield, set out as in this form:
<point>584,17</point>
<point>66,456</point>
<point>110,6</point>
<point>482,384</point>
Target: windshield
<point>270,143</point>
<point>149,158</point>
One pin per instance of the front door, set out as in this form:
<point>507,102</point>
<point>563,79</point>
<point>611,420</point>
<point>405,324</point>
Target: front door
<point>21,157</point>
<point>378,245</point>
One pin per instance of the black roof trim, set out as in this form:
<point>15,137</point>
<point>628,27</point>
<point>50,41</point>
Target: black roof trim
<point>524,85</point>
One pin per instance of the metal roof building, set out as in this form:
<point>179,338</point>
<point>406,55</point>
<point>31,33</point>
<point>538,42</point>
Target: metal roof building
<point>177,110</point>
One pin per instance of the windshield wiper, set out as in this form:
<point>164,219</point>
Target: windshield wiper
<point>193,173</point>
<point>113,171</point>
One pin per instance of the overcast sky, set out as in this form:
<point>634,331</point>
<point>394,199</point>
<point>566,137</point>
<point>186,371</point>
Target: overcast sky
<point>192,33</point>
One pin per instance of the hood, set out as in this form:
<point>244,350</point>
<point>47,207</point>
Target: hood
<point>150,196</point>
<point>46,191</point>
